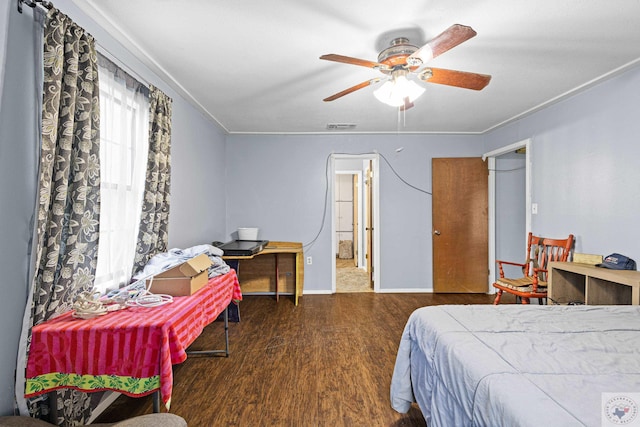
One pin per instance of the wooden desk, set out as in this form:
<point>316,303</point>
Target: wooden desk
<point>571,281</point>
<point>269,267</point>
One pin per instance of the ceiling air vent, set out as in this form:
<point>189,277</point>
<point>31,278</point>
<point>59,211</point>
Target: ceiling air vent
<point>341,126</point>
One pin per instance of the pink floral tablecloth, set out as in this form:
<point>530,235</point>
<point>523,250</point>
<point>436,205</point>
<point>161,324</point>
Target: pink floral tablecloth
<point>130,351</point>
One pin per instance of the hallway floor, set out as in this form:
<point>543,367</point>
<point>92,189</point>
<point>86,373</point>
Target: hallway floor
<point>349,278</point>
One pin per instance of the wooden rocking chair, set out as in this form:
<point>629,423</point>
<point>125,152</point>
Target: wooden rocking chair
<point>533,283</point>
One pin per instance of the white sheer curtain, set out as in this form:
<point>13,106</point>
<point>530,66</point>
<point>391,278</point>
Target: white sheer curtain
<point>124,135</point>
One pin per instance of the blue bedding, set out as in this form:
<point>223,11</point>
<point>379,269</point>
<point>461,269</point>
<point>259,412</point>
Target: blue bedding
<point>516,365</point>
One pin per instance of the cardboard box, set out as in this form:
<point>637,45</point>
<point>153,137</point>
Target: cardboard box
<point>184,279</point>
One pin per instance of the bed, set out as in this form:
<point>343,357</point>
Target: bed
<point>517,365</point>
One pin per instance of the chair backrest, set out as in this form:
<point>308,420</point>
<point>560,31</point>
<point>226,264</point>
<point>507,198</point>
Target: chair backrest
<point>541,250</point>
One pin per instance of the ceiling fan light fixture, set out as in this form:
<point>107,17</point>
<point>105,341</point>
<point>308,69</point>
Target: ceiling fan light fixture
<point>421,56</point>
<point>395,90</point>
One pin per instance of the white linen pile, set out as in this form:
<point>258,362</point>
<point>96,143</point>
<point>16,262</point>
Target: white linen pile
<point>166,260</point>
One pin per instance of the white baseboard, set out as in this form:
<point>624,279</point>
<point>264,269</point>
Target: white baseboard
<point>317,292</point>
<point>381,291</point>
<point>268,293</point>
<point>406,291</point>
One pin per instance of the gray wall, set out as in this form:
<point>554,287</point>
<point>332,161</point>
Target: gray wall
<point>198,204</point>
<point>18,150</point>
<point>278,183</point>
<point>585,173</point>
<point>198,155</point>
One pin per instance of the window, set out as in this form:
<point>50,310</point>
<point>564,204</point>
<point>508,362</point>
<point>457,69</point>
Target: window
<point>124,117</point>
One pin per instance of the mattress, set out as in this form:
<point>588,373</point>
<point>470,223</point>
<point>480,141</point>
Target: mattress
<point>516,365</point>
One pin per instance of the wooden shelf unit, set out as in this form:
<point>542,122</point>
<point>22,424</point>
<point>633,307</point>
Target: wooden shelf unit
<point>575,282</point>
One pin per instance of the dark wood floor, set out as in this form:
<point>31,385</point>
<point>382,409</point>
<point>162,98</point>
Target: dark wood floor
<point>326,362</point>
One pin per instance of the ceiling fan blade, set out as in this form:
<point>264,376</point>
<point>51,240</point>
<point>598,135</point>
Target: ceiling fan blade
<point>354,61</point>
<point>351,89</point>
<point>448,39</point>
<point>461,79</point>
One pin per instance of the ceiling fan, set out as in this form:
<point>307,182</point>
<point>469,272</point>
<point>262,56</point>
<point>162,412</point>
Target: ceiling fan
<point>402,59</point>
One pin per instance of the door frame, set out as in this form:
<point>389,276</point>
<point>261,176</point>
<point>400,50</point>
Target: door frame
<point>375,158</point>
<point>358,245</point>
<point>491,157</point>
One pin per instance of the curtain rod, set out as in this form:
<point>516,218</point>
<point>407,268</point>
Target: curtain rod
<point>34,3</point>
<point>113,58</point>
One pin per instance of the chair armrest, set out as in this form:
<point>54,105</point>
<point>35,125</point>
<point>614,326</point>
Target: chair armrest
<point>517,264</point>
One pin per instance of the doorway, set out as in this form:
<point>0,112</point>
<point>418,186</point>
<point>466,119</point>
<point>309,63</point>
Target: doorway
<point>354,199</point>
<point>509,178</point>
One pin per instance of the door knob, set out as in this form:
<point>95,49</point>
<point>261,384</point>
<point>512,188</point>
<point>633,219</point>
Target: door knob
<point>436,232</point>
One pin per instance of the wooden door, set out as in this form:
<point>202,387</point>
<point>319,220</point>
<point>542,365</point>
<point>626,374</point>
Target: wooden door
<point>460,225</point>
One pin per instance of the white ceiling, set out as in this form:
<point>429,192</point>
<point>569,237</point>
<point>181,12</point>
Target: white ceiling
<point>253,65</point>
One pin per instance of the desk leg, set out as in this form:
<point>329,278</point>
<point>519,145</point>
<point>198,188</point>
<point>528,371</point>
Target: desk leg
<point>156,402</point>
<point>226,339</point>
<point>156,394</point>
<point>277,277</point>
<point>53,407</point>
<point>226,331</point>
<point>298,284</point>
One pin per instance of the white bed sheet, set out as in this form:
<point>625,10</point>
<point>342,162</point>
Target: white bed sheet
<point>516,365</point>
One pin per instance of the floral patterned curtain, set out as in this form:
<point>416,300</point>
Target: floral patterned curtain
<point>154,221</point>
<point>68,207</point>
